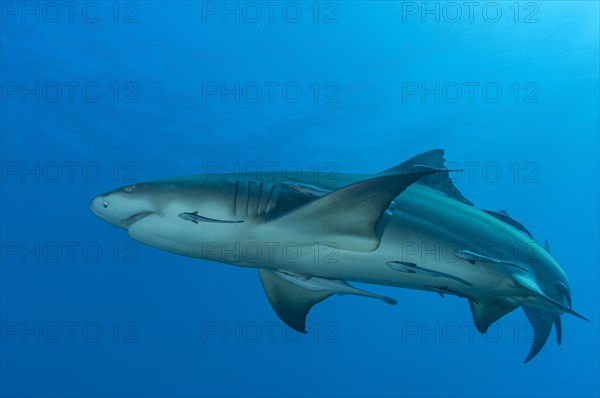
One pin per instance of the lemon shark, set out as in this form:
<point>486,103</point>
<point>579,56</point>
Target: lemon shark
<point>309,237</point>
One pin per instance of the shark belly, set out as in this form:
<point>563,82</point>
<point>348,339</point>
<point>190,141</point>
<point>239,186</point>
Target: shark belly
<point>422,239</point>
<point>432,263</point>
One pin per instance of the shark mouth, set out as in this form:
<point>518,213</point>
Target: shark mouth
<point>129,221</point>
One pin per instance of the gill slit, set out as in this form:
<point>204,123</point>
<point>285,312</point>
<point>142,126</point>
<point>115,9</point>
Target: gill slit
<point>260,188</point>
<point>235,197</point>
<point>248,196</point>
<point>269,199</point>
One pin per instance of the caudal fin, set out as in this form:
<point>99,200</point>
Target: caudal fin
<point>541,321</point>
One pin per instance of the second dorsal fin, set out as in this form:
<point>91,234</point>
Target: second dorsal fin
<point>502,215</point>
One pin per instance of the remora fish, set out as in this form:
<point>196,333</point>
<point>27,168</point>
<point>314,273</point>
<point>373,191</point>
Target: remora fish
<point>380,229</point>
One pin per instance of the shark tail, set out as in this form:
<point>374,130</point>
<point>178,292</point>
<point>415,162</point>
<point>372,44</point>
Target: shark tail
<point>541,321</point>
<point>542,318</point>
<point>543,313</point>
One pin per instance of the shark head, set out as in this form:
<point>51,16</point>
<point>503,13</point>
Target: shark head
<point>176,215</point>
<point>127,205</point>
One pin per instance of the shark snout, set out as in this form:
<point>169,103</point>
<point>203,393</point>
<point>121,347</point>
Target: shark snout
<point>121,208</point>
<point>97,204</point>
<point>102,208</point>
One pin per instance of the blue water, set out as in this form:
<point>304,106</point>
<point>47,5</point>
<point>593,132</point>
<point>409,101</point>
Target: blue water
<point>86,311</point>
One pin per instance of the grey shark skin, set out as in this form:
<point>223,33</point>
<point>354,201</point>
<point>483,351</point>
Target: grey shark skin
<point>310,236</point>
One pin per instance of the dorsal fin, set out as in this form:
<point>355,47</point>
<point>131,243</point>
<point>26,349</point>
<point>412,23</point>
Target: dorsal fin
<point>502,215</point>
<point>349,216</point>
<point>440,181</point>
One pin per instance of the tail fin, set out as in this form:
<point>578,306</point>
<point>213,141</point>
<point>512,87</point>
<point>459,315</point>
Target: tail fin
<point>533,288</point>
<point>541,321</point>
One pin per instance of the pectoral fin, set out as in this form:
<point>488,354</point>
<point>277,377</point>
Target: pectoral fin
<point>349,216</point>
<point>289,301</point>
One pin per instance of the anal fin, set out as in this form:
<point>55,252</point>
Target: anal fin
<point>487,312</point>
<point>289,301</point>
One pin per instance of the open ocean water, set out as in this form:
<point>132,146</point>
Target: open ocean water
<point>101,94</point>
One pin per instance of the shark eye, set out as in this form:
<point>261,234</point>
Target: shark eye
<point>129,188</point>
